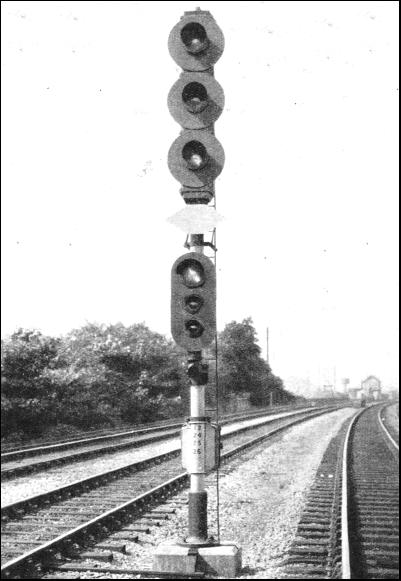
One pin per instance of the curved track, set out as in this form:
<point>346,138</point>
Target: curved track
<point>349,526</point>
<point>370,518</point>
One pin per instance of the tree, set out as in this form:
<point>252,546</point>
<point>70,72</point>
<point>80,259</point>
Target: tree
<point>242,369</point>
<point>25,395</point>
<point>103,375</point>
<point>96,375</point>
<point>240,362</point>
<point>138,371</point>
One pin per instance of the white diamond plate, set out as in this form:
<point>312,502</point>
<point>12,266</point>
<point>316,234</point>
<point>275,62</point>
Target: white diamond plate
<point>196,219</point>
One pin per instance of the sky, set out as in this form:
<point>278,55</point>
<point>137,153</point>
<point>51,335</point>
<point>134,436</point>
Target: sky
<point>309,192</point>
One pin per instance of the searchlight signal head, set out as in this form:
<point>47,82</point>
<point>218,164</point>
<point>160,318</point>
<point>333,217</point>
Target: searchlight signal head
<point>193,301</point>
<point>196,101</point>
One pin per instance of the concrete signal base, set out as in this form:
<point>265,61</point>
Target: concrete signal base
<point>221,560</point>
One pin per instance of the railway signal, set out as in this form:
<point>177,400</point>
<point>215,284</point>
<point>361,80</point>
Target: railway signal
<point>193,301</point>
<point>196,159</point>
<point>196,42</point>
<point>196,101</point>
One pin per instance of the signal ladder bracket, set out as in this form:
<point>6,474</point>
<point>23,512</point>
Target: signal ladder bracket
<point>210,244</point>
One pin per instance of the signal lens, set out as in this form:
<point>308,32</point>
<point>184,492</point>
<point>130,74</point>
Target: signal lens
<point>193,304</point>
<point>195,97</point>
<point>194,36</point>
<point>195,155</point>
<point>194,328</point>
<point>193,274</point>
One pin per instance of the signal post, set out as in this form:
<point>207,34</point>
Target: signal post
<point>195,159</point>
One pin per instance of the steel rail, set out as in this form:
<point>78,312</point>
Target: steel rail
<point>36,501</point>
<point>345,543</point>
<point>345,525</point>
<point>8,473</point>
<point>385,429</point>
<point>33,502</point>
<point>88,435</point>
<point>25,564</point>
<point>73,443</point>
<point>90,526</point>
<point>39,450</point>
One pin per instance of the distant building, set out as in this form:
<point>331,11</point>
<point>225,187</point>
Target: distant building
<point>328,390</point>
<point>355,392</point>
<point>371,387</point>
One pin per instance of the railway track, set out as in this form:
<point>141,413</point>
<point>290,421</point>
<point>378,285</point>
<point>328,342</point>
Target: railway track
<point>387,425</point>
<point>14,468</point>
<point>371,512</point>
<point>83,485</point>
<point>32,535</point>
<point>15,452</point>
<point>26,461</point>
<point>15,464</point>
<point>85,436</point>
<point>349,527</point>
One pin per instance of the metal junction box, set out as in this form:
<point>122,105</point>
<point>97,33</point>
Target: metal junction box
<point>200,446</point>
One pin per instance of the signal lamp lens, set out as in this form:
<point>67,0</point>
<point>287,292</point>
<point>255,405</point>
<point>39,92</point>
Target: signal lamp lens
<point>193,304</point>
<point>194,36</point>
<point>193,274</point>
<point>195,97</point>
<point>195,155</point>
<point>194,328</point>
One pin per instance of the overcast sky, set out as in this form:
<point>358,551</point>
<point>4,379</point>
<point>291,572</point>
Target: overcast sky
<point>309,189</point>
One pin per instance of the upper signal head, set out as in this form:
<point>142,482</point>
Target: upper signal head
<point>196,42</point>
<point>196,100</point>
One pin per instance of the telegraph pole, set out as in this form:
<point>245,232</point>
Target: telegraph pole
<point>196,159</point>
